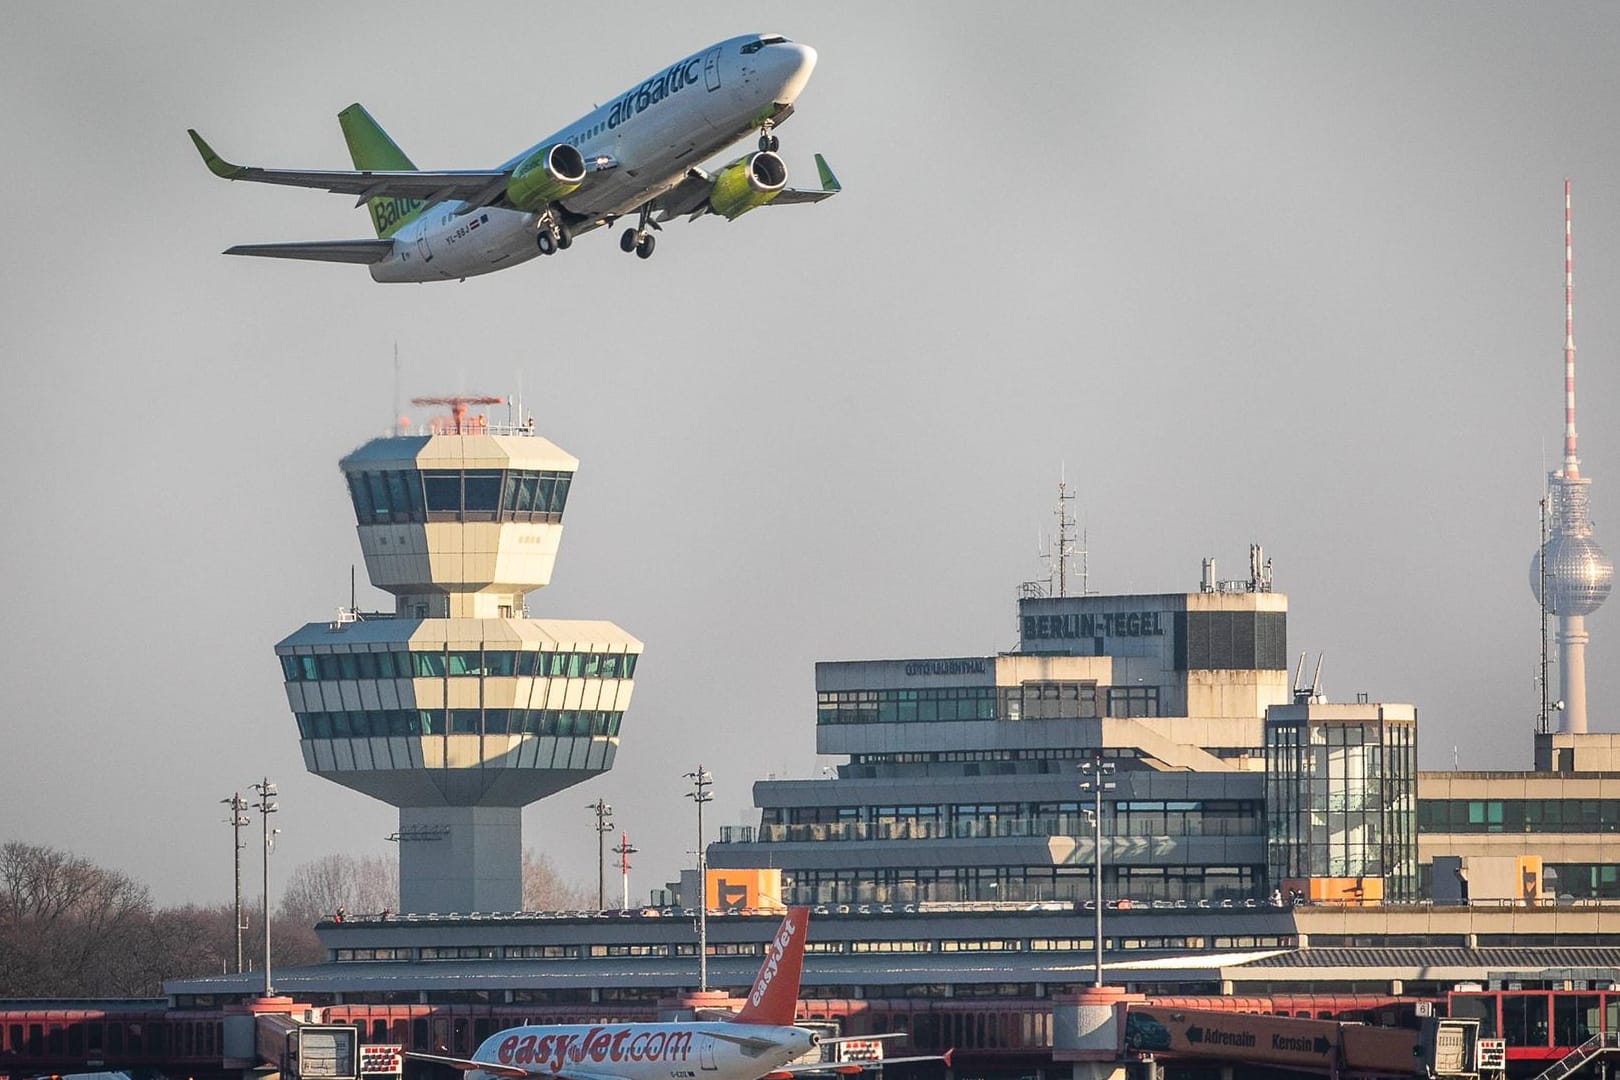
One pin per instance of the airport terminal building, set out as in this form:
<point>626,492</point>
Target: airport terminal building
<point>962,775</point>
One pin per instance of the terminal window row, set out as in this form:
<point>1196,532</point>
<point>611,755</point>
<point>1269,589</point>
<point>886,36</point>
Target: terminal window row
<point>904,885</point>
<point>1050,754</point>
<point>383,723</point>
<point>879,946</point>
<point>1212,817</point>
<point>1519,815</point>
<point>401,496</point>
<point>456,663</point>
<point>1038,700</point>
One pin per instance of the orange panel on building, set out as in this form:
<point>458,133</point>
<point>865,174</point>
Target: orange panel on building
<point>737,890</point>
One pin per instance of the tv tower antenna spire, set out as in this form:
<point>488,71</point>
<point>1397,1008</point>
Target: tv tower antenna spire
<point>1572,464</point>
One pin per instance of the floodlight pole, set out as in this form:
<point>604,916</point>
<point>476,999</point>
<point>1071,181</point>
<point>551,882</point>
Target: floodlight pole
<point>267,791</point>
<point>236,821</point>
<point>700,794</point>
<point>1092,781</point>
<point>604,825</point>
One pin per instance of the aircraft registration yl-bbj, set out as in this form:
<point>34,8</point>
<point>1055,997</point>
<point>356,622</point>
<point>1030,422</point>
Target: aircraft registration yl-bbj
<point>761,1042</point>
<point>636,155</point>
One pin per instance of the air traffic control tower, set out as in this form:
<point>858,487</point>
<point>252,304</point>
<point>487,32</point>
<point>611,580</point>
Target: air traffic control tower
<point>456,706</point>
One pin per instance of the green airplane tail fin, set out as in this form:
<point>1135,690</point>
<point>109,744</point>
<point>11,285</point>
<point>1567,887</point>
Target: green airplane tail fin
<point>371,148</point>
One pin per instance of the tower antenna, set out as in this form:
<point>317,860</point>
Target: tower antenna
<point>1065,532</point>
<point>1572,464</point>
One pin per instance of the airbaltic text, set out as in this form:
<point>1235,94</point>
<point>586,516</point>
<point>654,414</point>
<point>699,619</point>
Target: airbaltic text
<point>654,90</point>
<point>1100,624</point>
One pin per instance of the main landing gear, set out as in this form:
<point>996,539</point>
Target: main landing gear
<point>638,239</point>
<point>768,141</point>
<point>554,235</point>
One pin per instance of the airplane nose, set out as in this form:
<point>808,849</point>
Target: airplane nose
<point>797,61</point>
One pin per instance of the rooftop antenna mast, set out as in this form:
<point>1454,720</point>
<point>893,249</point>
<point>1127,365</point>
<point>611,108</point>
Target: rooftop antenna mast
<point>1544,717</point>
<point>1065,533</point>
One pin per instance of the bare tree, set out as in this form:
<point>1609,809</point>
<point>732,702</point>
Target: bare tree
<point>545,890</point>
<point>66,925</point>
<point>359,883</point>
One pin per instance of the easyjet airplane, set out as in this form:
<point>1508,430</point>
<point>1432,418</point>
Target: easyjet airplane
<point>759,1043</point>
<point>637,155</point>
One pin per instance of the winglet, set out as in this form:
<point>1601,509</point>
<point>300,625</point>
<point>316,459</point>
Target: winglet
<point>946,1056</point>
<point>775,994</point>
<point>829,182</point>
<point>216,164</point>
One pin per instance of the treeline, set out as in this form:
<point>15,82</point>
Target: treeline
<point>72,929</point>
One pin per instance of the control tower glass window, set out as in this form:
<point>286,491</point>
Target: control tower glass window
<point>401,496</point>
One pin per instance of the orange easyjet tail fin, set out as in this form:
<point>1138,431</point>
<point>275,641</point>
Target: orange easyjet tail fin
<point>775,993</point>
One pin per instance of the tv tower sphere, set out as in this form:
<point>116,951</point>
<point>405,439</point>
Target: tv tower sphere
<point>1579,575</point>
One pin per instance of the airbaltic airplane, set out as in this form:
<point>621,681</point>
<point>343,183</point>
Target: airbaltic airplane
<point>759,1042</point>
<point>636,155</point>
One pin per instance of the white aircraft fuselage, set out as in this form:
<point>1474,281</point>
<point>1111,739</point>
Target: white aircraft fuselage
<point>653,132</point>
<point>678,1051</point>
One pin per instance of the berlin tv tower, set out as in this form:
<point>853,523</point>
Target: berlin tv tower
<point>1578,573</point>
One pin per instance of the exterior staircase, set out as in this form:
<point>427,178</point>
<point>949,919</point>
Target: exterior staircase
<point>1606,1042</point>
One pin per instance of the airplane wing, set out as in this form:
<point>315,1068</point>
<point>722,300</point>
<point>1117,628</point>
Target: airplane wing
<point>851,1068</point>
<point>691,195</point>
<point>748,1043</point>
<point>512,1071</point>
<point>468,1065</point>
<point>829,187</point>
<point>477,186</point>
<point>339,251</point>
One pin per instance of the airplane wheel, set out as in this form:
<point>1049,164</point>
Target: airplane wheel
<point>644,249</point>
<point>565,237</point>
<point>545,242</point>
<point>776,144</point>
<point>627,242</point>
<point>764,143</point>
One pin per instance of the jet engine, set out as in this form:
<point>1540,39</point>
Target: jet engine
<point>747,183</point>
<point>545,176</point>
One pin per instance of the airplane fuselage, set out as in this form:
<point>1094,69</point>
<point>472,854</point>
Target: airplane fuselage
<point>654,132</point>
<point>679,1051</point>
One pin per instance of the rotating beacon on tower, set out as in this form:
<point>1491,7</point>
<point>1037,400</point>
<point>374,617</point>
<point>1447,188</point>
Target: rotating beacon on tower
<point>456,707</point>
<point>1578,573</point>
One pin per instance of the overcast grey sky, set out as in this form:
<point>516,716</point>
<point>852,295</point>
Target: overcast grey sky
<point>1254,272</point>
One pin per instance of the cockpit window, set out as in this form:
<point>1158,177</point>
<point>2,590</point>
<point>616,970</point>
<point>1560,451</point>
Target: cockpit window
<point>770,39</point>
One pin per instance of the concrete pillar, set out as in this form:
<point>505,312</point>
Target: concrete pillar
<point>1572,639</point>
<point>1086,1032</point>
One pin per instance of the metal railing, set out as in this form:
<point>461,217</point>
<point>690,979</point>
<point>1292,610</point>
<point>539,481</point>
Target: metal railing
<point>1602,1043</point>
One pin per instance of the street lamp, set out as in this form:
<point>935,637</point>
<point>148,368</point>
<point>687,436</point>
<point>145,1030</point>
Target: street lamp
<point>267,792</point>
<point>700,794</point>
<point>604,812</point>
<point>1093,779</point>
<point>236,821</point>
